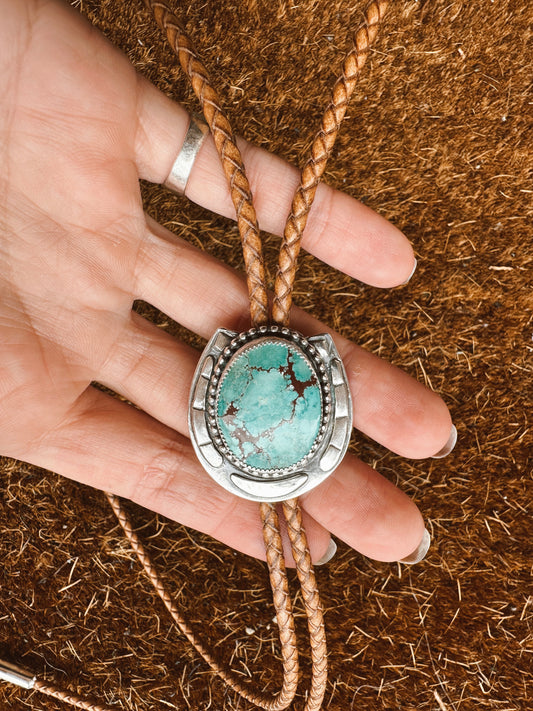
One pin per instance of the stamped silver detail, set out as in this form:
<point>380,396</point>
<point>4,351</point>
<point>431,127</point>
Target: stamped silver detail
<point>211,455</point>
<point>270,489</point>
<point>200,427</point>
<point>343,401</point>
<point>200,393</point>
<point>341,428</point>
<point>327,462</point>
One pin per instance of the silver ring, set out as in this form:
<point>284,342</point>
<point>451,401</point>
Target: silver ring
<point>181,170</point>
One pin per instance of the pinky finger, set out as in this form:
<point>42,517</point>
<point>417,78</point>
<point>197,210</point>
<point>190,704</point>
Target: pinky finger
<point>112,446</point>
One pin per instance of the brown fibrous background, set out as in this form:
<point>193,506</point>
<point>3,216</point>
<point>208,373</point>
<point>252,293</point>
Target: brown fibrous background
<point>437,140</point>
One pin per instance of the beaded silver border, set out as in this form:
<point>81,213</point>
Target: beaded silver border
<point>329,446</point>
<point>258,336</point>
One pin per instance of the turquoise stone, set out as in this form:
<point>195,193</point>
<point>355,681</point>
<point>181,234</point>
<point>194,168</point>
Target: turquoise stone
<point>269,405</point>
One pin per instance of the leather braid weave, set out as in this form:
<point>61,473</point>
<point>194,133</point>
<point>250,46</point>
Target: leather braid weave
<point>316,164</point>
<point>229,155</point>
<point>44,688</point>
<point>252,251</point>
<point>282,604</point>
<point>313,606</point>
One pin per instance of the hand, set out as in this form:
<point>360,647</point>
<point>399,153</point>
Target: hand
<point>78,128</point>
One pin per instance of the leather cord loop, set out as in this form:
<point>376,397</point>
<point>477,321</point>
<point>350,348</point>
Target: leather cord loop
<point>281,602</point>
<point>259,312</point>
<point>67,697</point>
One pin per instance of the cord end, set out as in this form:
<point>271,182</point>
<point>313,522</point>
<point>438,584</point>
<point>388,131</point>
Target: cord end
<point>16,675</point>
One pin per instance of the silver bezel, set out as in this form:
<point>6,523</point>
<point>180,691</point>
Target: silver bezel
<point>251,339</point>
<point>329,446</point>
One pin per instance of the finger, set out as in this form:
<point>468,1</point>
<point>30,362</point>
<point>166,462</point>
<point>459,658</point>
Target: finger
<point>112,446</point>
<point>203,294</point>
<point>340,231</point>
<point>366,511</point>
<point>152,369</point>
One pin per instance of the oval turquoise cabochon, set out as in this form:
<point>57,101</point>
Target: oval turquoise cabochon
<point>269,405</point>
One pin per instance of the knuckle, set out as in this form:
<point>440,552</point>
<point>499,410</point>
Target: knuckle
<point>155,479</point>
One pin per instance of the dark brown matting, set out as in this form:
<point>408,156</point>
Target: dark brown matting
<point>438,141</point>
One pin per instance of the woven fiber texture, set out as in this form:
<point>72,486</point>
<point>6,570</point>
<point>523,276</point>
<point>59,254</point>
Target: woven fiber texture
<point>438,141</point>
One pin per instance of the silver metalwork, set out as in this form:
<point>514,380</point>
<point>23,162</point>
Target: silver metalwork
<point>329,446</point>
<point>16,675</point>
<point>181,170</point>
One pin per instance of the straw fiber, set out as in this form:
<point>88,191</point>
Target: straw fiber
<point>437,140</point>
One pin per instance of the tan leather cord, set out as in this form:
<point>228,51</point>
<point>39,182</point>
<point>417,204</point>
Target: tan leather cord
<point>282,605</point>
<point>66,697</point>
<point>252,251</point>
<point>313,606</point>
<point>320,152</point>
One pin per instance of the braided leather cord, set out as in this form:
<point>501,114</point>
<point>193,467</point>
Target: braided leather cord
<point>282,605</point>
<point>320,152</point>
<point>252,250</point>
<point>66,697</point>
<point>229,155</point>
<point>313,606</point>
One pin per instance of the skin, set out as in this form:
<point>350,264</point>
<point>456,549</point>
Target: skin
<point>78,128</point>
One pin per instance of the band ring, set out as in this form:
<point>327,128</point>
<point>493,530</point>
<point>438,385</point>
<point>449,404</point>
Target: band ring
<point>181,170</point>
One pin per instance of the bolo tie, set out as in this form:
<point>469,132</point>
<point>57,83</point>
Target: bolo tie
<point>270,411</point>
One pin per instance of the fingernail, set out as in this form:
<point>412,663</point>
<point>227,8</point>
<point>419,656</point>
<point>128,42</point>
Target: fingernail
<point>410,275</point>
<point>328,555</point>
<point>420,553</point>
<point>450,444</point>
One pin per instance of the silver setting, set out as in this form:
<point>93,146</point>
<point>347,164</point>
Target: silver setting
<point>332,439</point>
<point>223,365</point>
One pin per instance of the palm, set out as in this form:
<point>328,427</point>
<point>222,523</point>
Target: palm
<point>72,205</point>
<point>78,128</point>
